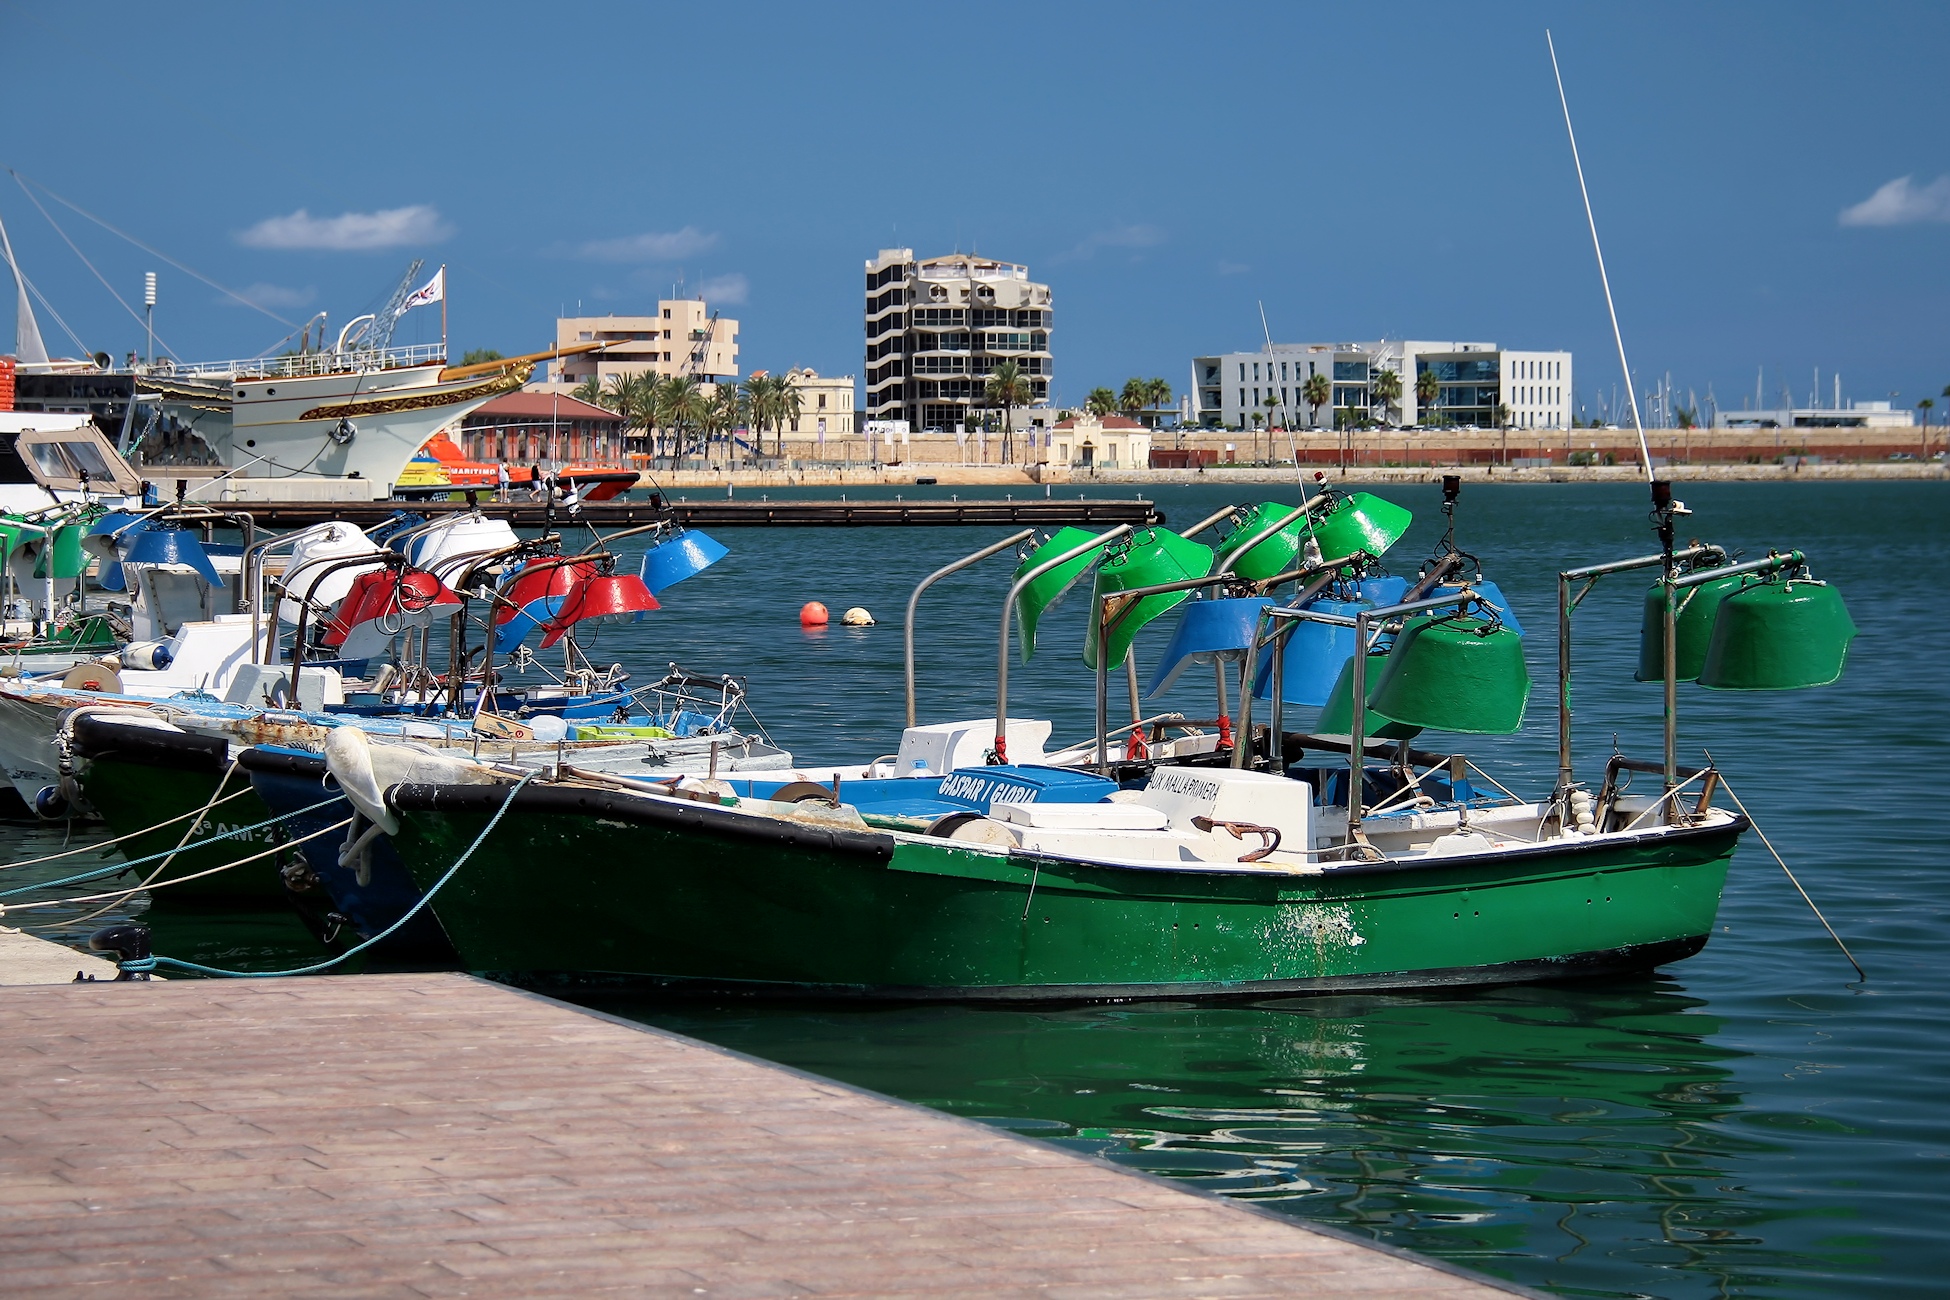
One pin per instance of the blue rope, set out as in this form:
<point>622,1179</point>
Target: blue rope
<point>117,868</point>
<point>144,965</point>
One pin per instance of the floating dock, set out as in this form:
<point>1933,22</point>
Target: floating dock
<point>1052,511</point>
<point>437,1135</point>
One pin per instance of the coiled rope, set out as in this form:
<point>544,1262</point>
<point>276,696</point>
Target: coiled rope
<point>145,965</point>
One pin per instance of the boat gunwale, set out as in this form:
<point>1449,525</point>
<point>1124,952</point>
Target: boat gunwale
<point>678,813</point>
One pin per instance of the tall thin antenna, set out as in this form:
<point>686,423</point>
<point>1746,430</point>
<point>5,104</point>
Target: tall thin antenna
<point>1638,425</point>
<point>1292,449</point>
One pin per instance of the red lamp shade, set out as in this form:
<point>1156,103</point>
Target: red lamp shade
<point>381,604</point>
<point>535,596</point>
<point>610,598</point>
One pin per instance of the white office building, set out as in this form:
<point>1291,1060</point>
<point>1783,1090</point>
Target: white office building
<point>1238,390</point>
<point>1856,415</point>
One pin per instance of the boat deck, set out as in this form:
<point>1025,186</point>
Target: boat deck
<point>416,1135</point>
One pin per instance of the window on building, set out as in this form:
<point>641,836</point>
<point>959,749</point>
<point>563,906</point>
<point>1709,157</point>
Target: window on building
<point>1242,392</point>
<point>822,406</point>
<point>1242,375</point>
<point>666,313</point>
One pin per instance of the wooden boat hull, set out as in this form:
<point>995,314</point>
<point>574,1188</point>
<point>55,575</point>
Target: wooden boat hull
<point>583,884</point>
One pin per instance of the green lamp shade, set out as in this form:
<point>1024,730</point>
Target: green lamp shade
<point>1778,636</point>
<point>1455,674</point>
<point>1035,599</point>
<point>1263,549</point>
<point>1361,522</point>
<point>1152,557</point>
<point>1337,715</point>
<point>69,559</point>
<point>1692,628</point>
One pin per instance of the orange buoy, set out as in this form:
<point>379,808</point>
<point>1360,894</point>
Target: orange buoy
<point>812,614</point>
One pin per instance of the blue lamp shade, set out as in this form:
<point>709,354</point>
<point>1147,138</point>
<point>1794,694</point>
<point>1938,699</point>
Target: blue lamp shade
<point>685,555</point>
<point>1211,631</point>
<point>110,530</point>
<point>110,577</point>
<point>1314,656</point>
<point>1382,591</point>
<point>170,546</point>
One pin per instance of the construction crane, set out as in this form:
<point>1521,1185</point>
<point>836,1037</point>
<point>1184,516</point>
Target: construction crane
<point>700,356</point>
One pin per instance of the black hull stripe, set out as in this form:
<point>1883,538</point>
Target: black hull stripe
<point>1586,965</point>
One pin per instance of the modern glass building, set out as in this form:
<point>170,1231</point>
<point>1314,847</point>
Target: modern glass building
<point>1475,382</point>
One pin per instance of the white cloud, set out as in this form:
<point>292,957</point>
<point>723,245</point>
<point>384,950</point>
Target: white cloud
<point>271,295</point>
<point>349,232</point>
<point>1901,203</point>
<point>727,289</point>
<point>650,246</point>
<point>1233,268</point>
<point>1118,236</point>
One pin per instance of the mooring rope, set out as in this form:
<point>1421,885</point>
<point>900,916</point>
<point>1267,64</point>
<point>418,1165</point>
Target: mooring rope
<point>1728,787</point>
<point>145,965</point>
<point>116,868</point>
<point>119,894</point>
<point>102,844</point>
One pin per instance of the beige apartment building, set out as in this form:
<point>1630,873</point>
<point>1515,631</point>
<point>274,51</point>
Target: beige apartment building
<point>825,406</point>
<point>685,337</point>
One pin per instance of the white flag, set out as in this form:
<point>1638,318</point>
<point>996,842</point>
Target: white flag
<point>432,291</point>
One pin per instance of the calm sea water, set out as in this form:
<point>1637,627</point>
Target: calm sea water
<point>1748,1122</point>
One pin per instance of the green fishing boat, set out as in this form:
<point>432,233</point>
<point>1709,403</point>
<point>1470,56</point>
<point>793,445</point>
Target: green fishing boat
<point>1313,863</point>
<point>170,792</point>
<point>1105,900</point>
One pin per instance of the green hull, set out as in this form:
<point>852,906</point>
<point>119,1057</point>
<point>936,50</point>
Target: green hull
<point>137,788</point>
<point>577,882</point>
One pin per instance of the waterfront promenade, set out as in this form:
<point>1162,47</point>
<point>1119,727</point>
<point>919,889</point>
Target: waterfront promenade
<point>437,1135</point>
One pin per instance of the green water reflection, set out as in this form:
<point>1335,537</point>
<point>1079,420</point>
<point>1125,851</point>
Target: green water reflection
<point>1568,1138</point>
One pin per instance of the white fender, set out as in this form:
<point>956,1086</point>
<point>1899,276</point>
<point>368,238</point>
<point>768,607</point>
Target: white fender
<point>348,756</point>
<point>365,771</point>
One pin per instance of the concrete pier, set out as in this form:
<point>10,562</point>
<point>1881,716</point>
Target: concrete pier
<point>26,959</point>
<point>437,1135</point>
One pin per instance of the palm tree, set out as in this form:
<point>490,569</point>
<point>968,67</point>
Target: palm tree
<point>681,407</point>
<point>1427,389</point>
<point>589,390</point>
<point>761,405</point>
<point>725,410</point>
<point>785,406</point>
<point>1100,402</point>
<point>1008,390</point>
<point>1132,399</point>
<point>1387,389</point>
<point>1157,394</point>
<point>1926,404</point>
<point>1316,391</point>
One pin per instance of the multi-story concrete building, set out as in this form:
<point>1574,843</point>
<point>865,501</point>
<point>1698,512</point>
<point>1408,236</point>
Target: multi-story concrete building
<point>937,328</point>
<point>685,337</point>
<point>1474,380</point>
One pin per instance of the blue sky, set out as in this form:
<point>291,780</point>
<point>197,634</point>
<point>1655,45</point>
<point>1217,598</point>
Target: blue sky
<point>1365,171</point>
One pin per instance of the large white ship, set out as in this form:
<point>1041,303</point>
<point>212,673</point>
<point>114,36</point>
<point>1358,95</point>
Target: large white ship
<point>338,422</point>
<point>343,415</point>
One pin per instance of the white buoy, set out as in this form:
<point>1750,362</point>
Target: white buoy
<point>857,617</point>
